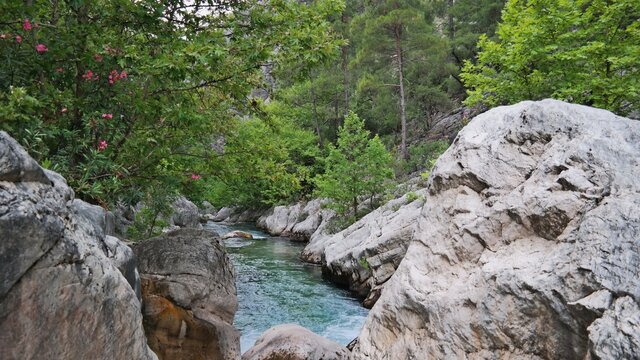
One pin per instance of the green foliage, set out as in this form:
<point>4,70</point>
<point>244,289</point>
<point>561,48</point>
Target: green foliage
<point>412,196</point>
<point>389,31</point>
<point>120,95</point>
<point>423,155</point>
<point>464,22</point>
<point>357,168</point>
<point>265,162</point>
<point>153,215</point>
<point>364,263</point>
<point>580,51</point>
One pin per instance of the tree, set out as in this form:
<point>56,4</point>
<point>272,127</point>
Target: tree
<point>466,21</point>
<point>396,38</point>
<point>581,51</point>
<point>122,96</point>
<point>358,167</point>
<point>265,162</point>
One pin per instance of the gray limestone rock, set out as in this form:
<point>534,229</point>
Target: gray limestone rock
<point>61,295</point>
<point>185,213</point>
<point>125,260</point>
<point>94,214</point>
<point>531,220</point>
<point>293,342</point>
<point>300,221</point>
<point>223,214</point>
<point>365,255</point>
<point>616,335</point>
<point>16,165</point>
<point>189,296</point>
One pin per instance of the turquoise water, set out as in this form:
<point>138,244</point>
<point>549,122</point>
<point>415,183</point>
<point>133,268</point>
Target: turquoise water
<point>275,287</point>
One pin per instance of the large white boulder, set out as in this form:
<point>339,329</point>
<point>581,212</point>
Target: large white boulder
<point>528,246</point>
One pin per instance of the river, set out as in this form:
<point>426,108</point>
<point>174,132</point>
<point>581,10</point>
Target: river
<point>275,287</point>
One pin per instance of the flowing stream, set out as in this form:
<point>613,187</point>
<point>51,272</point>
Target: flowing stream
<point>275,287</point>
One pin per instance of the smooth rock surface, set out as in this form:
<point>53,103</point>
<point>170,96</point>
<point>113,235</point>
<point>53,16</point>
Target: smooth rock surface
<point>299,221</point>
<point>293,342</point>
<point>189,296</point>
<point>95,214</point>
<point>237,234</point>
<point>531,220</point>
<point>185,213</point>
<point>62,295</point>
<point>223,214</point>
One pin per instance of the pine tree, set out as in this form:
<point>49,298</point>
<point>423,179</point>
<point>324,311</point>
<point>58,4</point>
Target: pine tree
<point>395,38</point>
<point>358,167</point>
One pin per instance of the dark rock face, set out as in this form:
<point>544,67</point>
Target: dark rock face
<point>189,296</point>
<point>293,342</point>
<point>62,295</point>
<point>527,247</point>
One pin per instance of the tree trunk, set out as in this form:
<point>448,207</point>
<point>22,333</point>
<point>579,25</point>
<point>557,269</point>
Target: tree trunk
<point>451,22</point>
<point>315,115</point>
<point>355,208</point>
<point>345,69</point>
<point>403,117</point>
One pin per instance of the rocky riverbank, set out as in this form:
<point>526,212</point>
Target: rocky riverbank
<point>71,290</point>
<point>67,289</point>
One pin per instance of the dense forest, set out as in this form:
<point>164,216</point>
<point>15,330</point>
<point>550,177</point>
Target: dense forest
<point>256,103</point>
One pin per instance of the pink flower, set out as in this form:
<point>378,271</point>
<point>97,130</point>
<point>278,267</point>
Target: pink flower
<point>3,36</point>
<point>89,76</point>
<point>97,57</point>
<point>64,110</point>
<point>102,145</point>
<point>123,74</point>
<point>195,176</point>
<point>107,116</point>
<point>113,77</point>
<point>18,39</point>
<point>41,48</point>
<point>26,25</point>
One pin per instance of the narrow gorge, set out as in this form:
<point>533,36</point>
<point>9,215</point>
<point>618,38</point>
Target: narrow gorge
<point>523,243</point>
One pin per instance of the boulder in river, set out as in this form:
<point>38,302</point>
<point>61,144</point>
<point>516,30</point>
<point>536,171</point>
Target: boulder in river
<point>64,289</point>
<point>237,234</point>
<point>189,296</point>
<point>294,342</point>
<point>223,214</point>
<point>527,247</point>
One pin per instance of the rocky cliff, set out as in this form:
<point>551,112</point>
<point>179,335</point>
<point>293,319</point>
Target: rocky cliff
<point>67,290</point>
<point>527,247</point>
<point>363,256</point>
